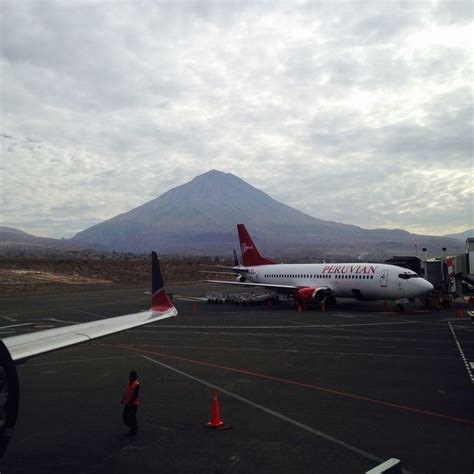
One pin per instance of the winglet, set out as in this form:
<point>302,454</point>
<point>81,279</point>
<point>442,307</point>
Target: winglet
<point>159,299</point>
<point>236,259</point>
<point>250,255</point>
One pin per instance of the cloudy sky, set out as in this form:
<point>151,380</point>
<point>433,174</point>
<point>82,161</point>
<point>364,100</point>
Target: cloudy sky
<point>359,112</point>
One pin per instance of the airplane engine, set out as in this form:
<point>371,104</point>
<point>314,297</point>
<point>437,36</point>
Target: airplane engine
<point>241,278</point>
<point>311,295</point>
<point>9,397</point>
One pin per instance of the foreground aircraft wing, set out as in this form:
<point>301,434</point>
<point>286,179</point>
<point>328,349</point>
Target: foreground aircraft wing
<point>16,349</point>
<point>33,344</point>
<point>30,345</point>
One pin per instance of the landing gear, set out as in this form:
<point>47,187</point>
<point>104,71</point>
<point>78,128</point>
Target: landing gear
<point>399,308</point>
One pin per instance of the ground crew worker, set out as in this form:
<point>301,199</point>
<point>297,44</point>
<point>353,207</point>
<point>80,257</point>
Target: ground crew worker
<point>130,402</point>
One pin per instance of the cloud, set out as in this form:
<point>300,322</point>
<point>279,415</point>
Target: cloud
<point>358,112</point>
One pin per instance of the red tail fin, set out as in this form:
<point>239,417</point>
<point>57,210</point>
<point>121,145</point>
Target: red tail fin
<point>250,255</point>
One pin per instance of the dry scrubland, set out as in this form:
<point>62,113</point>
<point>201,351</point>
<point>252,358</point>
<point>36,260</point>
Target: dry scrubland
<point>43,275</point>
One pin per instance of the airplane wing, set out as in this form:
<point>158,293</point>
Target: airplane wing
<point>16,349</point>
<point>232,269</point>
<point>278,288</point>
<point>26,346</point>
<point>261,285</point>
<point>216,272</point>
<point>29,345</point>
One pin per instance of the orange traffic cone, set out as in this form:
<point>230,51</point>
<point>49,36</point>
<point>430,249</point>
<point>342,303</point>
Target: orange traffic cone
<point>215,421</point>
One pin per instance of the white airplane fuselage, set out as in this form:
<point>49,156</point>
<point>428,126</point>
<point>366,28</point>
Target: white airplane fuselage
<point>371,281</point>
<point>318,282</point>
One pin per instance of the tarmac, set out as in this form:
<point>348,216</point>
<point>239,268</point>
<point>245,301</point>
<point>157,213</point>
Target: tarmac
<point>338,391</point>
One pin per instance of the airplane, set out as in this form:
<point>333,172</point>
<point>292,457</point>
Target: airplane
<point>15,350</point>
<point>324,282</point>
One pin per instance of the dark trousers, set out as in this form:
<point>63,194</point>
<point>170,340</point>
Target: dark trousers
<point>129,417</point>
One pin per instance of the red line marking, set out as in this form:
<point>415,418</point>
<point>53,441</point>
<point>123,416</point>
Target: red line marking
<point>293,382</point>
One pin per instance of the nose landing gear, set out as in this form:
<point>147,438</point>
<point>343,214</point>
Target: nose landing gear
<point>399,305</point>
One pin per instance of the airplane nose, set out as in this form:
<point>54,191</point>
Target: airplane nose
<point>419,287</point>
<point>427,286</point>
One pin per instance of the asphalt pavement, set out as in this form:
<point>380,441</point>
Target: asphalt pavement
<point>338,391</point>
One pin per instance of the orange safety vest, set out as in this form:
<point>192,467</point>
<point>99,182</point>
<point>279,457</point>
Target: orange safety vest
<point>129,389</point>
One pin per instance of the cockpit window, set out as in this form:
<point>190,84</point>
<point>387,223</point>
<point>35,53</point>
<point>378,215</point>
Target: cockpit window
<point>407,276</point>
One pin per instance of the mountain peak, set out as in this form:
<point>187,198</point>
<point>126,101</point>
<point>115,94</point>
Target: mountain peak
<point>214,175</point>
<point>200,216</point>
<point>215,182</point>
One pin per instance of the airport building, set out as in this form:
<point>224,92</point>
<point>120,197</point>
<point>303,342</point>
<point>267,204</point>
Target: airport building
<point>452,276</point>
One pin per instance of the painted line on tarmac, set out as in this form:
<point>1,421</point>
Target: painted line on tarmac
<point>328,326</point>
<point>297,323</point>
<point>466,363</point>
<point>278,415</point>
<point>9,319</point>
<point>15,326</point>
<point>94,359</point>
<point>428,323</point>
<point>90,305</point>
<point>297,351</point>
<point>90,313</point>
<point>189,298</point>
<point>63,321</point>
<point>296,383</point>
<point>394,331</point>
<point>315,343</point>
<point>325,336</point>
